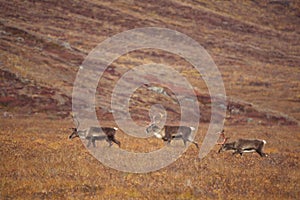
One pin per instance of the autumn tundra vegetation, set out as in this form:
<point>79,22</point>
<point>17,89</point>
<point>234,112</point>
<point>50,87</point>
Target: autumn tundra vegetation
<point>255,45</point>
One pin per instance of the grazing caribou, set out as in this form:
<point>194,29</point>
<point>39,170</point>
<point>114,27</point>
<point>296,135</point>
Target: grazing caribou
<point>96,133</point>
<point>242,145</point>
<point>167,133</point>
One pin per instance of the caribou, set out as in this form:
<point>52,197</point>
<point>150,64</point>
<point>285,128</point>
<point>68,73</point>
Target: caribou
<point>96,133</point>
<point>168,133</point>
<point>242,145</point>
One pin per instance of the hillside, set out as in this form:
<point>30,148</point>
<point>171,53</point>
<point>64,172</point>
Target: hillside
<point>255,45</point>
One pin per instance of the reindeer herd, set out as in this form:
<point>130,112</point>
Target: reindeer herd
<point>167,134</point>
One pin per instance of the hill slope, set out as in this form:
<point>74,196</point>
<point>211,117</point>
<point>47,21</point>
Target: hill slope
<point>255,45</point>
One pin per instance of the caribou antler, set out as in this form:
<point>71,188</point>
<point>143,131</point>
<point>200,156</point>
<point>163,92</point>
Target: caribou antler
<point>222,134</point>
<point>76,121</point>
<point>75,130</point>
<point>156,119</point>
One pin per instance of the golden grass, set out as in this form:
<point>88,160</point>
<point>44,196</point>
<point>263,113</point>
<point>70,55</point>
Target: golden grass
<point>38,161</point>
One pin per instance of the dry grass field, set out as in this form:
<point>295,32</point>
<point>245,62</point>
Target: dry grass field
<point>39,162</point>
<point>255,44</point>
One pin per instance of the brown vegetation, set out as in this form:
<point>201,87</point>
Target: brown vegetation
<point>255,44</point>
